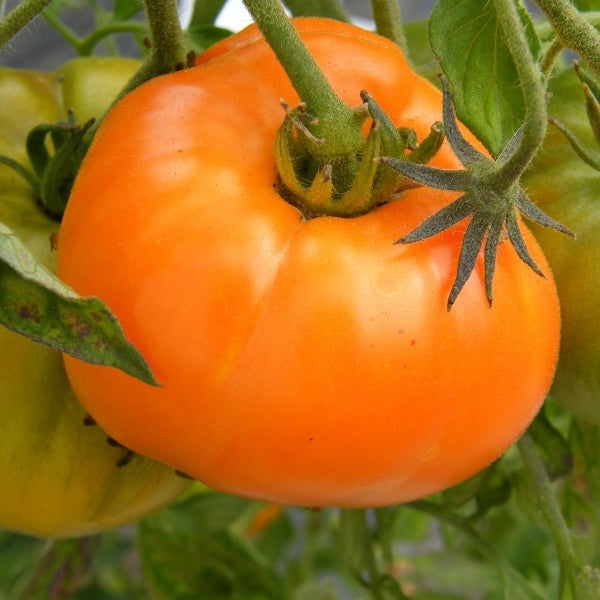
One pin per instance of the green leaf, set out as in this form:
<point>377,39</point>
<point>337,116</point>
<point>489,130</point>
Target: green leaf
<point>554,448</point>
<point>468,41</point>
<point>126,9</point>
<point>20,555</point>
<point>188,552</point>
<point>205,514</point>
<point>35,303</point>
<point>201,37</point>
<point>419,49</point>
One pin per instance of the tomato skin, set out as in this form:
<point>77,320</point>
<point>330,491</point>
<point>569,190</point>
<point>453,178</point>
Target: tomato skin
<point>58,478</point>
<point>568,189</point>
<point>308,362</point>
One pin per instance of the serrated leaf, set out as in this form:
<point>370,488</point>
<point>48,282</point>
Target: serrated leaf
<point>35,303</point>
<point>468,41</point>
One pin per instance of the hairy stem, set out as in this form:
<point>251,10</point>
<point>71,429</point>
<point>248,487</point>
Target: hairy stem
<point>571,564</point>
<point>531,82</point>
<point>337,123</point>
<point>574,30</point>
<point>18,18</point>
<point>388,21</point>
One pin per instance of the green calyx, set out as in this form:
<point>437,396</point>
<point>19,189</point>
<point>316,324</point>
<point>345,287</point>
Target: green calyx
<point>53,174</point>
<point>352,182</point>
<point>492,203</point>
<point>591,90</point>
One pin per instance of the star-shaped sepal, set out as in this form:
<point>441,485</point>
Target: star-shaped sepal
<point>493,205</point>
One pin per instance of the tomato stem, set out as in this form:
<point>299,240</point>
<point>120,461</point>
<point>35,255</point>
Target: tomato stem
<point>531,82</point>
<point>167,51</point>
<point>571,564</point>
<point>19,17</point>
<point>359,552</point>
<point>388,21</point>
<point>336,122</point>
<point>574,30</point>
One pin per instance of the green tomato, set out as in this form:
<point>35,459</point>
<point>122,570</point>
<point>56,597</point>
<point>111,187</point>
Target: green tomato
<point>569,190</point>
<point>58,477</point>
<point>89,84</point>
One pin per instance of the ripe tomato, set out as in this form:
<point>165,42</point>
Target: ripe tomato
<point>57,477</point>
<point>569,189</point>
<point>308,362</point>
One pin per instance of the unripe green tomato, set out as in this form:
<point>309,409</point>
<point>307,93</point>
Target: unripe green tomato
<point>58,477</point>
<point>569,190</point>
<point>89,84</point>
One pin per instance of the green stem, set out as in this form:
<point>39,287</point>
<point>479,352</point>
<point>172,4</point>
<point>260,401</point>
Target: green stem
<point>360,551</point>
<point>87,44</point>
<point>337,122</point>
<point>18,18</point>
<point>571,564</point>
<point>167,49</point>
<point>530,80</point>
<point>506,570</point>
<point>388,21</point>
<point>574,30</point>
<point>550,57</point>
<point>66,33</point>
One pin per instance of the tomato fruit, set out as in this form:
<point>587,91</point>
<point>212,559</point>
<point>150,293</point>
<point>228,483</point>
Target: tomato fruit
<point>58,477</point>
<point>569,189</point>
<point>301,361</point>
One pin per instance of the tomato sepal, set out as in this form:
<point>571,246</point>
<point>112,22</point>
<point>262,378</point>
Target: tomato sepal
<point>492,205</point>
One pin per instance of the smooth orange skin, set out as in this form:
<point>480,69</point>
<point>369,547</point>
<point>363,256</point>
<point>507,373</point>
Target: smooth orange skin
<point>302,362</point>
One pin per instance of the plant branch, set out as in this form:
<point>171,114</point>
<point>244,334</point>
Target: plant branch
<point>571,564</point>
<point>18,18</point>
<point>388,21</point>
<point>574,30</point>
<point>530,80</point>
<point>506,570</point>
<point>88,43</point>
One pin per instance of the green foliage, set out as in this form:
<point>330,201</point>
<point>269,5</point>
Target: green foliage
<point>470,46</point>
<point>37,304</point>
<point>485,538</point>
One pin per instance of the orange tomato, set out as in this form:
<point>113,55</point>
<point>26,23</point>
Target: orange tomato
<point>308,362</point>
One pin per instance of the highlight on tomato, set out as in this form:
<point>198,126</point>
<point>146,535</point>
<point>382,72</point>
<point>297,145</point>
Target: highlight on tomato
<point>303,359</point>
<point>58,477</point>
